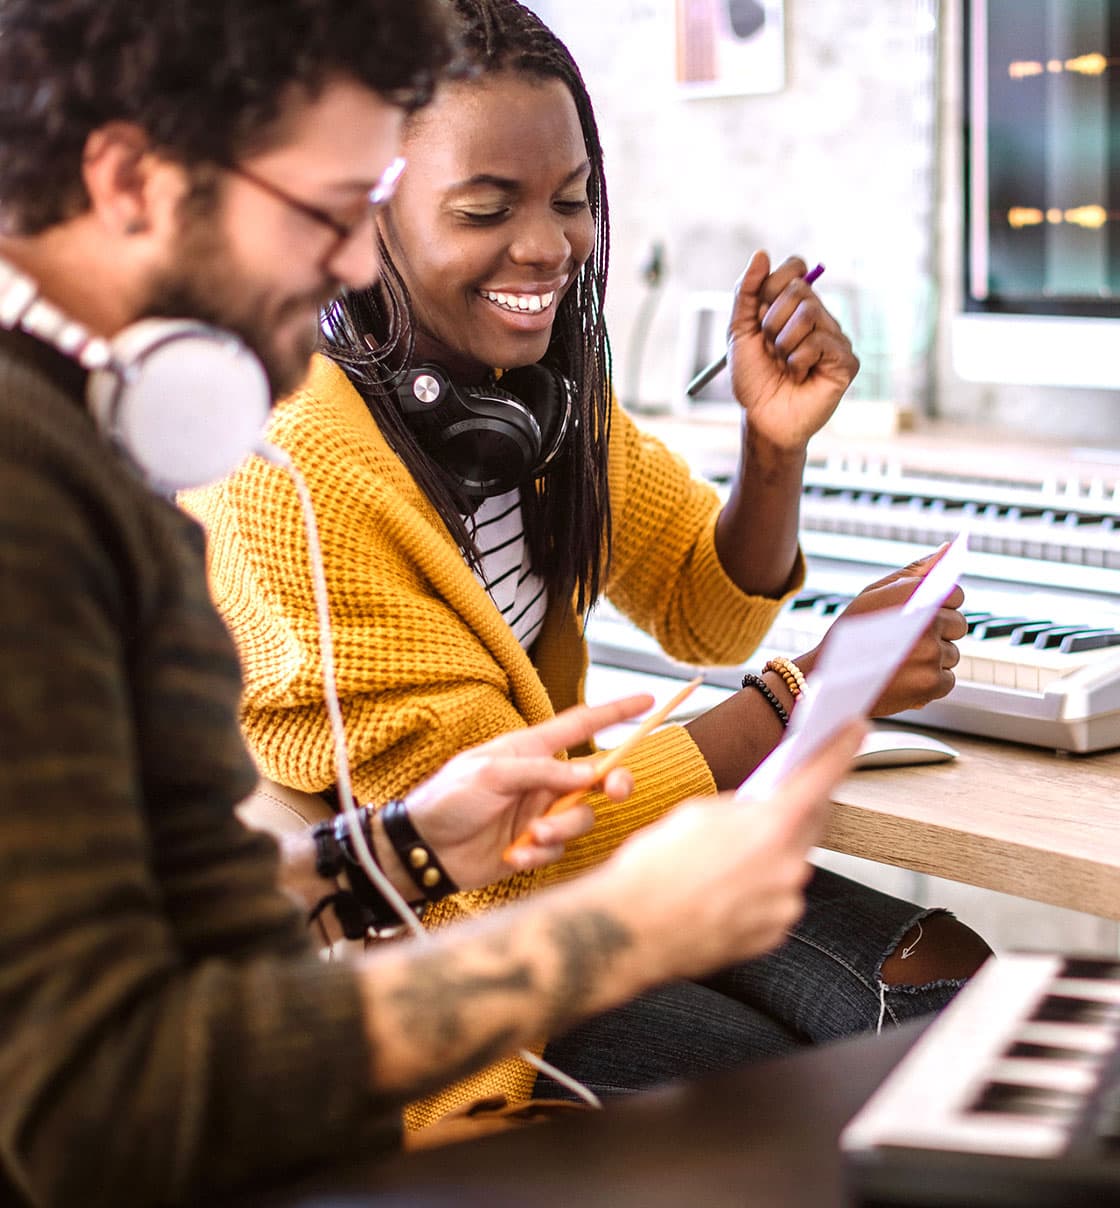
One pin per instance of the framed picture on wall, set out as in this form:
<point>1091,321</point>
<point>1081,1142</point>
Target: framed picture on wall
<point>730,47</point>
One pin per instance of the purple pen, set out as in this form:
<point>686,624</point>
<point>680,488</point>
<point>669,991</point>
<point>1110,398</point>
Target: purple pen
<point>718,366</point>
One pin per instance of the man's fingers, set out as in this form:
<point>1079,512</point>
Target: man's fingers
<point>519,774</point>
<point>546,838</point>
<point>562,828</point>
<point>574,726</point>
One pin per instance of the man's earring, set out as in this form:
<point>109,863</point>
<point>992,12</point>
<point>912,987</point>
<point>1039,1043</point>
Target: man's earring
<point>135,226</point>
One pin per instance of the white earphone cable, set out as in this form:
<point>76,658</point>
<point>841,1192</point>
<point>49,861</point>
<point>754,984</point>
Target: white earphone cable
<point>280,457</point>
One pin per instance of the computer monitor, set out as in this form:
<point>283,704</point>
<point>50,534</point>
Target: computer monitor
<point>1041,194</point>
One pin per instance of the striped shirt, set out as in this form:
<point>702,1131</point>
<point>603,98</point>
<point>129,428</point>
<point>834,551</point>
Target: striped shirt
<point>519,594</point>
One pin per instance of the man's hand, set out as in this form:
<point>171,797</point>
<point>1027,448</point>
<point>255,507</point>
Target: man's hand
<point>479,802</point>
<point>721,880</point>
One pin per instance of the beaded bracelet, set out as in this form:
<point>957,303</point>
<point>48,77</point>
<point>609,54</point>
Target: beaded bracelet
<point>419,860</point>
<point>756,681</point>
<point>790,672</point>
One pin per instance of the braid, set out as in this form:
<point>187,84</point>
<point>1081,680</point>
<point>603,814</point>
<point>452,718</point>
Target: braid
<point>567,514</point>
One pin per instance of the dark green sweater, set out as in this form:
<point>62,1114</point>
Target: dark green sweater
<point>165,1031</point>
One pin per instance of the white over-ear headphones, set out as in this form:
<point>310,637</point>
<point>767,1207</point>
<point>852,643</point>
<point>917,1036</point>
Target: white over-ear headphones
<point>186,401</point>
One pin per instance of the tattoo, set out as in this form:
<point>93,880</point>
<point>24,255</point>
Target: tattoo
<point>434,1002</point>
<point>442,1008</point>
<point>586,944</point>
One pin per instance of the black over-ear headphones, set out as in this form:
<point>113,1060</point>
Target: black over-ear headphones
<point>489,439</point>
<point>185,401</point>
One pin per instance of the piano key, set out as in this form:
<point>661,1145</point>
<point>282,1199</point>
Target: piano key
<point>1096,989</point>
<point>1024,635</point>
<point>1052,1052</point>
<point>1099,1041</point>
<point>830,605</point>
<point>1052,638</point>
<point>1092,968</point>
<point>972,619</point>
<point>999,627</point>
<point>1062,1008</point>
<point>1006,1098</point>
<point>1090,639</point>
<point>1073,1078</point>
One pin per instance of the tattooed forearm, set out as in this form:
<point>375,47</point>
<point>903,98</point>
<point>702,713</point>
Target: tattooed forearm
<point>442,990</point>
<point>586,943</point>
<point>440,1009</point>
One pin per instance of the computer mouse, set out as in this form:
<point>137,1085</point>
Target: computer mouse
<point>898,748</point>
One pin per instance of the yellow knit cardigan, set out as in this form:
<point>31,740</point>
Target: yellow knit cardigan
<point>425,664</point>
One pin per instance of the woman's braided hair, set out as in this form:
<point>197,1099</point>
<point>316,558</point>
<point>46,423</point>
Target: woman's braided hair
<point>567,516</point>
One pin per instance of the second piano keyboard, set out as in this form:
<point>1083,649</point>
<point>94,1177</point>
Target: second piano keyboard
<point>1011,1097</point>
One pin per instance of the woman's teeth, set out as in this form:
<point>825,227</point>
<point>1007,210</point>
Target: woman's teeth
<point>520,302</point>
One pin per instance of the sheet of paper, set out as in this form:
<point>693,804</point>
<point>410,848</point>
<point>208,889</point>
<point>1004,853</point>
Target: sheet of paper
<point>859,657</point>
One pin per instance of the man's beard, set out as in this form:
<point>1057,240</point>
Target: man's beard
<point>202,283</point>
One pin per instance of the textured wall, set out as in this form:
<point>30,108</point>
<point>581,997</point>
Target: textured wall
<point>842,166</point>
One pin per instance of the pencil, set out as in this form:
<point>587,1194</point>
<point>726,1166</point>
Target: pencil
<point>718,366</point>
<point>610,760</point>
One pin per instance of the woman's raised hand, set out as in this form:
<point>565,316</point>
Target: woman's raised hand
<point>790,360</point>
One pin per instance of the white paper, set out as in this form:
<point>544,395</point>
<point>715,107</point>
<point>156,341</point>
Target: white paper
<point>859,657</point>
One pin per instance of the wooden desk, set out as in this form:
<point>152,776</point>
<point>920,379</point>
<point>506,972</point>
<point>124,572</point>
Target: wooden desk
<point>1016,819</point>
<point>764,1136</point>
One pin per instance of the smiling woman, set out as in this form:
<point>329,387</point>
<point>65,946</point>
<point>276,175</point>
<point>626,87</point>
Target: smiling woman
<point>459,609</point>
<point>492,225</point>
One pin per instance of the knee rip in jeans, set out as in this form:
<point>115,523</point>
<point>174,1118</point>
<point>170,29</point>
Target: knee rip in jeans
<point>937,947</point>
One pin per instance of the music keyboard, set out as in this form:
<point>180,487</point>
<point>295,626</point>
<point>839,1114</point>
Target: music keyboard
<point>1041,662</point>
<point>1012,1095</point>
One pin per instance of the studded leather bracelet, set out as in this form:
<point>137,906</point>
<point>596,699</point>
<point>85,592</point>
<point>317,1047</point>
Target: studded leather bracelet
<point>419,860</point>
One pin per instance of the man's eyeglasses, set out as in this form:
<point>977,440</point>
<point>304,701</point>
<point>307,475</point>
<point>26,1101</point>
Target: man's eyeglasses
<point>344,231</point>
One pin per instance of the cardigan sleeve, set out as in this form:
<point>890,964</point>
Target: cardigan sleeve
<point>665,573</point>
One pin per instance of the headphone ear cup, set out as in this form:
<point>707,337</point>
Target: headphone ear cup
<point>551,398</point>
<point>186,401</point>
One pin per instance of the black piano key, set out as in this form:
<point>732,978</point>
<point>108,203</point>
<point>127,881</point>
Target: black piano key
<point>1099,968</point>
<point>1106,1125</point>
<point>1054,1052</point>
<point>972,619</point>
<point>1090,639</point>
<point>1024,635</point>
<point>829,605</point>
<point>999,627</point>
<point>1010,1098</point>
<point>806,599</point>
<point>1061,1008</point>
<point>1052,638</point>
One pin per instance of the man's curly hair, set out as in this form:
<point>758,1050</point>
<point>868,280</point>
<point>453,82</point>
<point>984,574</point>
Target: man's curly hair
<point>204,78</point>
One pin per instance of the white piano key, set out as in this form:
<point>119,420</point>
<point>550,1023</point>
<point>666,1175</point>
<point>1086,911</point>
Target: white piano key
<point>1094,989</point>
<point>1085,1038</point>
<point>1044,1072</point>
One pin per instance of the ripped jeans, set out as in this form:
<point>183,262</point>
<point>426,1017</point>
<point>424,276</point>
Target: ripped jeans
<point>823,983</point>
